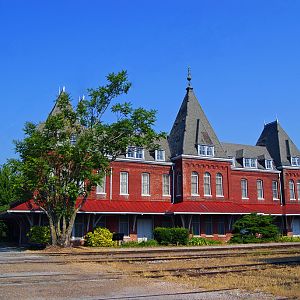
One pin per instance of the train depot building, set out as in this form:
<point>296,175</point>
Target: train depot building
<point>193,180</point>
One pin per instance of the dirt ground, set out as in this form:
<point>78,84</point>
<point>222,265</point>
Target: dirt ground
<point>27,275</point>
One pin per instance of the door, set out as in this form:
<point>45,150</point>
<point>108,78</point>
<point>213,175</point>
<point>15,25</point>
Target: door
<point>144,229</point>
<point>296,226</point>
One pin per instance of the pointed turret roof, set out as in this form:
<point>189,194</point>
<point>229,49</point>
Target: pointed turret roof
<point>278,143</point>
<point>192,127</point>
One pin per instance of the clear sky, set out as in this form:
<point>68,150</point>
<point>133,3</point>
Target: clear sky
<point>244,56</point>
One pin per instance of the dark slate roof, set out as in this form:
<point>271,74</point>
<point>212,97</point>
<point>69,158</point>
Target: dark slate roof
<point>239,152</point>
<point>279,144</point>
<point>192,127</point>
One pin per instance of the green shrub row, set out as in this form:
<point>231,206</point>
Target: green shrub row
<point>100,237</point>
<point>135,244</point>
<point>171,236</point>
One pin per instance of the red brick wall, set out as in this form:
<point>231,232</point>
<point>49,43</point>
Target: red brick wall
<point>287,176</point>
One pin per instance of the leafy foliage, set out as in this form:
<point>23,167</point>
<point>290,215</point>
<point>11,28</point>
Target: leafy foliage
<point>8,185</point>
<point>171,236</point>
<point>100,237</point>
<point>254,228</point>
<point>198,241</point>
<point>3,231</point>
<point>135,244</point>
<point>39,234</point>
<point>64,158</point>
<point>289,239</point>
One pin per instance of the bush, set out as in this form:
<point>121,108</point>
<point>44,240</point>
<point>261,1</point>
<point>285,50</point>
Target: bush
<point>39,235</point>
<point>287,239</point>
<point>198,241</point>
<point>100,237</point>
<point>171,236</point>
<point>3,231</point>
<point>150,243</point>
<point>254,228</point>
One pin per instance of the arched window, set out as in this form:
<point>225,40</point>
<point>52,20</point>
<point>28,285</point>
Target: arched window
<point>219,185</point>
<point>207,185</point>
<point>194,184</point>
<point>292,190</point>
<point>298,189</point>
<point>244,188</point>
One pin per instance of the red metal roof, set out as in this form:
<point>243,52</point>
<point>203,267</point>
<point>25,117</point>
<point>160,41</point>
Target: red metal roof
<point>206,207</point>
<point>267,209</point>
<point>161,207</point>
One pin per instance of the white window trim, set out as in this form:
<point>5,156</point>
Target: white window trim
<point>206,147</point>
<point>251,160</point>
<point>207,195</point>
<point>262,189</point>
<point>163,153</point>
<point>222,186</point>
<point>266,164</point>
<point>135,153</point>
<point>298,189</point>
<point>195,174</point>
<point>245,180</point>
<point>169,190</point>
<point>294,192</point>
<point>104,185</point>
<point>124,194</point>
<point>295,161</point>
<point>277,198</point>
<point>142,182</point>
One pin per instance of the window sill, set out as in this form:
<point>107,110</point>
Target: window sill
<point>292,199</point>
<point>276,199</point>
<point>124,194</point>
<point>209,196</point>
<point>219,196</point>
<point>195,195</point>
<point>166,195</point>
<point>100,193</point>
<point>260,199</point>
<point>145,195</point>
<point>243,198</point>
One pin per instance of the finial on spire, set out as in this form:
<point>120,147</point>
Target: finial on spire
<point>189,77</point>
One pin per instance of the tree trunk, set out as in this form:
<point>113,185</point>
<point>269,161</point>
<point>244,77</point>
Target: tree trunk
<point>52,231</point>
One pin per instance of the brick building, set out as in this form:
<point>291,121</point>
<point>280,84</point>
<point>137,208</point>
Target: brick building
<point>194,181</point>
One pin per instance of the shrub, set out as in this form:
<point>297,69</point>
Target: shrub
<point>198,241</point>
<point>100,237</point>
<point>171,236</point>
<point>150,243</point>
<point>3,231</point>
<point>39,235</point>
<point>254,228</point>
<point>286,239</point>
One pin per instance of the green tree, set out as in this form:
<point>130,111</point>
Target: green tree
<point>8,185</point>
<point>64,158</point>
<point>254,228</point>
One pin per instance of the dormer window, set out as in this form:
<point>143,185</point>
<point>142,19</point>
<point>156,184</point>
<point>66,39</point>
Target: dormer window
<point>295,161</point>
<point>268,164</point>
<point>135,152</point>
<point>160,155</point>
<point>250,162</point>
<point>206,150</point>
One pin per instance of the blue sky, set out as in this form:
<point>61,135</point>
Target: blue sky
<point>244,57</point>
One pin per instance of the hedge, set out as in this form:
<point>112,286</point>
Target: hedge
<point>171,236</point>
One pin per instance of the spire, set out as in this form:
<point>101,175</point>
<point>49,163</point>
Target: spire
<point>189,78</point>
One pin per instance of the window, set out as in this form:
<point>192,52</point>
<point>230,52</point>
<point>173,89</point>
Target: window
<point>219,185</point>
<point>135,152</point>
<point>145,184</point>
<point>260,189</point>
<point>194,184</point>
<point>298,189</point>
<point>244,188</point>
<point>250,162</point>
<point>275,190</point>
<point>206,150</point>
<point>292,190</point>
<point>160,155</point>
<point>295,161</point>
<point>124,225</point>
<point>196,225</point>
<point>166,185</point>
<point>221,226</point>
<point>124,183</point>
<point>179,184</point>
<point>207,186</point>
<point>269,164</point>
<point>208,225</point>
<point>101,186</point>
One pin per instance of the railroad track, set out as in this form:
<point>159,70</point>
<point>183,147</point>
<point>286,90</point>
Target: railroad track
<point>99,258</point>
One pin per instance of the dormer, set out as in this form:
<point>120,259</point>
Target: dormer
<point>135,152</point>
<point>295,161</point>
<point>160,155</point>
<point>206,150</point>
<point>250,163</point>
